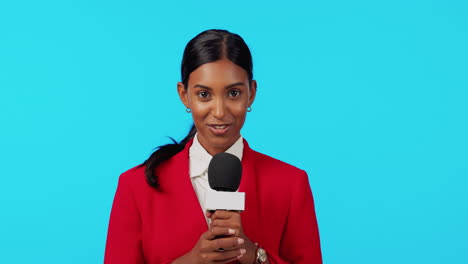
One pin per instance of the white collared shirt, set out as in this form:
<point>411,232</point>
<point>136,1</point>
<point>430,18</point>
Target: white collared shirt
<point>199,161</point>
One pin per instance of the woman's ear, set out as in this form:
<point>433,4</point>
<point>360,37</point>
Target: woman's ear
<point>252,92</point>
<point>183,95</point>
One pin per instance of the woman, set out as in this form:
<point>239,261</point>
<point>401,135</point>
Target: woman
<point>158,210</point>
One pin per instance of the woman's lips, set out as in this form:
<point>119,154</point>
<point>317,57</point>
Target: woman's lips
<point>219,129</point>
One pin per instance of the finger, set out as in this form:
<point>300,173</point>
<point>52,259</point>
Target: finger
<point>227,260</point>
<point>219,223</point>
<point>224,257</point>
<point>223,214</point>
<point>221,244</point>
<point>231,223</point>
<point>209,214</point>
<point>212,233</point>
<point>226,243</point>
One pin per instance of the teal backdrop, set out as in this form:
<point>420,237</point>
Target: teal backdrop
<point>369,97</point>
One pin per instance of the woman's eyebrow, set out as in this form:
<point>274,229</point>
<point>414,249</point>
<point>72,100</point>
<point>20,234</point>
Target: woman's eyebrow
<point>226,87</point>
<point>234,84</point>
<point>202,86</point>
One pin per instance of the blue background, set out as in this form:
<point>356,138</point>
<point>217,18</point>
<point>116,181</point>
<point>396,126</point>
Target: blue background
<point>369,97</point>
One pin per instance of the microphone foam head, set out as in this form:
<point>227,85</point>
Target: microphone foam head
<point>224,172</point>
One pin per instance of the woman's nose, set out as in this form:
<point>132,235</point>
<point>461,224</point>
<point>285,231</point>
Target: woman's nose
<point>219,109</point>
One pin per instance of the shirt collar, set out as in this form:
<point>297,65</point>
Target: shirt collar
<point>200,158</point>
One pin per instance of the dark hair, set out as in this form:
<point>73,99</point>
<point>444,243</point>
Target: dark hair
<point>208,46</point>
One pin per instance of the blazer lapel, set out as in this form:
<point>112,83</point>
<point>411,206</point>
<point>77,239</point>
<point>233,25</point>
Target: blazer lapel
<point>187,190</point>
<point>249,185</point>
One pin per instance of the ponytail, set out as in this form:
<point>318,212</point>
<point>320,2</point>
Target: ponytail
<point>162,154</point>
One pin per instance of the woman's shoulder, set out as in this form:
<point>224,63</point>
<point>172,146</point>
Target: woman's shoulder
<point>282,179</point>
<point>134,176</point>
<point>273,165</point>
<point>137,170</point>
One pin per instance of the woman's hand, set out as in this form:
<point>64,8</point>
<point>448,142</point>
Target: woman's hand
<point>207,248</point>
<point>232,220</point>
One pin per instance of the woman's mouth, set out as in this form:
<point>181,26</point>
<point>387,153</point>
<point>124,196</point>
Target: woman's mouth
<point>219,129</point>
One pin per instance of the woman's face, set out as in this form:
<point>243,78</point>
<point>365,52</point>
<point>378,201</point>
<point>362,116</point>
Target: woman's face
<point>218,94</point>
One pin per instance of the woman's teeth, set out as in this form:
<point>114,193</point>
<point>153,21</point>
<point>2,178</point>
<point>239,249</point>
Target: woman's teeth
<point>220,127</point>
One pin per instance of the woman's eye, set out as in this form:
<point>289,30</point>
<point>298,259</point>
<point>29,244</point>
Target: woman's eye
<point>203,94</point>
<point>234,93</point>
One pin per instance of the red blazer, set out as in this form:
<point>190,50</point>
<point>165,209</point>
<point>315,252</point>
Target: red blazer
<point>156,227</point>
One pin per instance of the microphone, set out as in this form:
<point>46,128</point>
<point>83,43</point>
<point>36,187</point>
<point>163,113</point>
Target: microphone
<point>224,172</point>
<point>224,176</point>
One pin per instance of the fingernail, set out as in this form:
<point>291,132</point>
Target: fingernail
<point>240,241</point>
<point>242,251</point>
<point>231,231</point>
